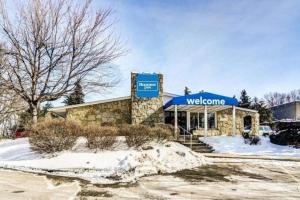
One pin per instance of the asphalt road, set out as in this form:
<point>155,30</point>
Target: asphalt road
<point>225,178</point>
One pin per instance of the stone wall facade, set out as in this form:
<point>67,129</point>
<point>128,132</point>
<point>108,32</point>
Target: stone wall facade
<point>117,112</point>
<point>133,110</point>
<point>224,121</point>
<point>146,110</point>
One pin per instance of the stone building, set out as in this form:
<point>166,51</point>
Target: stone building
<point>206,113</point>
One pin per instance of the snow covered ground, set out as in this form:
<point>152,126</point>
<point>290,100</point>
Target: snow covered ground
<point>121,165</point>
<point>236,145</point>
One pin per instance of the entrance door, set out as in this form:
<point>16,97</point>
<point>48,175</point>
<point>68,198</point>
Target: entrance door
<point>194,121</point>
<point>181,117</point>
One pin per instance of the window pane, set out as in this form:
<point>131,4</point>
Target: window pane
<point>211,120</point>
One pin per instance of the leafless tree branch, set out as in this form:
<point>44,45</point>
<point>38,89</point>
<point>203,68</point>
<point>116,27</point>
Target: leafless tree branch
<point>48,45</point>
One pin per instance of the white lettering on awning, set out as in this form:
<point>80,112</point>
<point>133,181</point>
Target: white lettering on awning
<point>203,101</point>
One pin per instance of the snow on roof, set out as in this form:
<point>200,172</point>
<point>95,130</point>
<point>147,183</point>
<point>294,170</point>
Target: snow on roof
<point>296,101</point>
<point>287,120</point>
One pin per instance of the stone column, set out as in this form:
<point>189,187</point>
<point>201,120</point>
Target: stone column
<point>146,111</point>
<point>255,124</point>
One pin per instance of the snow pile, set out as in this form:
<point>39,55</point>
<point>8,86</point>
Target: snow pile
<point>16,150</point>
<point>236,145</point>
<point>101,167</point>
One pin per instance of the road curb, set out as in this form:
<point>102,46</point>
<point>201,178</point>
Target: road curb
<point>255,157</point>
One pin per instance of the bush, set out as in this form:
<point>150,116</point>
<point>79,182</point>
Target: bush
<point>290,136</point>
<point>53,135</point>
<point>108,124</point>
<point>246,135</point>
<point>161,133</point>
<point>136,135</point>
<point>252,140</point>
<point>100,137</point>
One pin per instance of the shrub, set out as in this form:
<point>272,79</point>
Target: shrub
<point>289,136</point>
<point>252,140</point>
<point>161,133</point>
<point>108,124</point>
<point>53,135</point>
<point>136,135</point>
<point>246,135</point>
<point>100,137</point>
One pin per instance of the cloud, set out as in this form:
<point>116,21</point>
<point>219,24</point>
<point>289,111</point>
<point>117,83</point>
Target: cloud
<point>217,46</point>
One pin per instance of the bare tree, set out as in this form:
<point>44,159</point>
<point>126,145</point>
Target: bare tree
<point>11,105</point>
<point>51,44</point>
<point>275,98</point>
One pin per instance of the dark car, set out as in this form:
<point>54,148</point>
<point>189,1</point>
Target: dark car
<point>20,132</point>
<point>287,137</point>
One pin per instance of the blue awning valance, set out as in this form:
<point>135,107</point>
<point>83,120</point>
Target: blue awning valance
<point>201,99</point>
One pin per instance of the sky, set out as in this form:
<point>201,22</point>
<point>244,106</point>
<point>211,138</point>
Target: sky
<point>215,46</point>
<point>219,46</point>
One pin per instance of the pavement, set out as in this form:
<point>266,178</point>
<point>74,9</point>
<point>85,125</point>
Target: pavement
<point>256,157</point>
<point>18,185</point>
<point>227,177</point>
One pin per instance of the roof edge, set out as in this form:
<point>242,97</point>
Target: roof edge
<point>296,101</point>
<point>62,108</point>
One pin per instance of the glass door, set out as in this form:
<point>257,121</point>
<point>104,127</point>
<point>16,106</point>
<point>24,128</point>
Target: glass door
<point>194,121</point>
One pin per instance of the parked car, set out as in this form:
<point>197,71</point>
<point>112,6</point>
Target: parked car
<point>290,136</point>
<point>265,131</point>
<point>247,129</point>
<point>20,132</point>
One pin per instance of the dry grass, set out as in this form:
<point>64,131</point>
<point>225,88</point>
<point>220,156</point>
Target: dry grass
<point>136,135</point>
<point>162,133</point>
<point>100,137</point>
<point>53,135</point>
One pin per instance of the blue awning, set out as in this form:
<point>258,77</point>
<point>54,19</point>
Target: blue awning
<point>201,99</point>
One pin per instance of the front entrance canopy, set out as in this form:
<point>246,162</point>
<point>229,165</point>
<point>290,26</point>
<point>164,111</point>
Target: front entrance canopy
<point>202,99</point>
<point>201,102</point>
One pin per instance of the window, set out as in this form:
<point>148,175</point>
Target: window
<point>211,120</point>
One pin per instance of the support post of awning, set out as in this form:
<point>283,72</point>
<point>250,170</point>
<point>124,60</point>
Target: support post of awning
<point>233,121</point>
<point>198,120</point>
<point>175,123</point>
<point>188,121</point>
<point>205,120</point>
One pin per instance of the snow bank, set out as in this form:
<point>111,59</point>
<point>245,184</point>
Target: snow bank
<point>16,150</point>
<point>236,145</point>
<point>101,167</point>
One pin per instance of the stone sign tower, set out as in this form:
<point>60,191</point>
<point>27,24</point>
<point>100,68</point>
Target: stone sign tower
<point>147,110</point>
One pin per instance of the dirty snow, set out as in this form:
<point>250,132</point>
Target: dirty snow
<point>236,145</point>
<point>121,165</point>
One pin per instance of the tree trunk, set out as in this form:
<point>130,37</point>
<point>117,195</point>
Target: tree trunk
<point>34,114</point>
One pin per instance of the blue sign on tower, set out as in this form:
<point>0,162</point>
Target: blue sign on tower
<point>147,85</point>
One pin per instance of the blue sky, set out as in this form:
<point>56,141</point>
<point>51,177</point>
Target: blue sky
<point>219,46</point>
<point>216,46</point>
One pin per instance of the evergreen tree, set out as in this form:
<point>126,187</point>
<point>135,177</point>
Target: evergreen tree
<point>265,114</point>
<point>45,109</point>
<point>76,97</point>
<point>245,100</point>
<point>187,91</point>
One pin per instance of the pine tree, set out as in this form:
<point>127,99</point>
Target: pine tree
<point>76,97</point>
<point>265,114</point>
<point>187,91</point>
<point>45,109</point>
<point>245,100</point>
